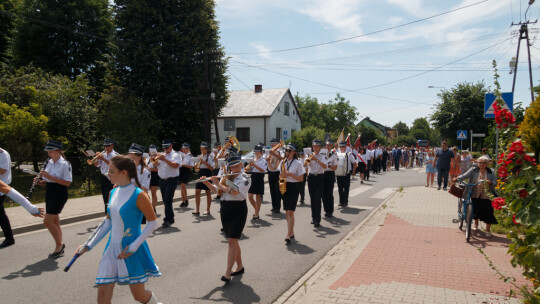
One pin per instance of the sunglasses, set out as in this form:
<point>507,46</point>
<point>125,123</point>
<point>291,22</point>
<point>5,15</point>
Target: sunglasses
<point>289,150</point>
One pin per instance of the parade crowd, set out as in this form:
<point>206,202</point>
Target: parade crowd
<point>130,182</point>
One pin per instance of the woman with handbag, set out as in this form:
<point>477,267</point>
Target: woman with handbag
<point>482,208</point>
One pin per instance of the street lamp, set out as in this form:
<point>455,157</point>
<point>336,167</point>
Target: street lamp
<point>432,87</point>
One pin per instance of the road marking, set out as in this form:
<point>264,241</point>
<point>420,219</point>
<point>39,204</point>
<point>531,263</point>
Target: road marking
<point>358,190</point>
<point>383,193</point>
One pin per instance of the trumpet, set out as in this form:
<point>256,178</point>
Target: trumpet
<point>95,158</point>
<point>310,158</point>
<point>197,166</point>
<point>154,160</point>
<point>273,163</point>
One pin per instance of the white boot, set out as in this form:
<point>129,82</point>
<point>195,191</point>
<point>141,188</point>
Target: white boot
<point>153,300</point>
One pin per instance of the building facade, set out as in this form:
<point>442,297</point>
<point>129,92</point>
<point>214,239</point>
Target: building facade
<point>259,116</point>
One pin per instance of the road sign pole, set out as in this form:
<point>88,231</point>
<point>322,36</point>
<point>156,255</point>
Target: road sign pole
<point>471,141</point>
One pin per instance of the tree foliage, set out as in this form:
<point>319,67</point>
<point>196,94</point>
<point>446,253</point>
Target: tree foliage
<point>7,23</point>
<point>420,129</point>
<point>332,117</point>
<point>530,127</point>
<point>65,103</point>
<point>155,47</point>
<point>304,137</point>
<point>71,37</point>
<point>21,130</point>
<point>402,128</point>
<point>460,108</point>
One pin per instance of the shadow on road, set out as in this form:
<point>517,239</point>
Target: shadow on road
<point>259,223</point>
<point>232,292</point>
<point>346,210</point>
<point>34,269</point>
<point>161,230</point>
<point>337,222</point>
<point>322,231</point>
<point>298,248</point>
<point>203,218</point>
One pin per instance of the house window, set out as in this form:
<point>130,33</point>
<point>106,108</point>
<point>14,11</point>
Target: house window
<point>278,134</point>
<point>292,132</point>
<point>286,110</point>
<point>242,134</point>
<point>228,124</point>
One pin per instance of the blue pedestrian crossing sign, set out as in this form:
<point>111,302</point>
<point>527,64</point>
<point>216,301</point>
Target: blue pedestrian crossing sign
<point>489,99</point>
<point>462,134</point>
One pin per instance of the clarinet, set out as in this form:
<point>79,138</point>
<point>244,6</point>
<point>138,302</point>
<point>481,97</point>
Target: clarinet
<point>36,180</point>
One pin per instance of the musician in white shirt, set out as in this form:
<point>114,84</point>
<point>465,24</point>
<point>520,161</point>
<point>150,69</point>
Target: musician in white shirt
<point>292,170</point>
<point>344,181</point>
<point>167,166</point>
<point>329,180</point>
<point>316,166</point>
<point>103,165</point>
<point>258,168</point>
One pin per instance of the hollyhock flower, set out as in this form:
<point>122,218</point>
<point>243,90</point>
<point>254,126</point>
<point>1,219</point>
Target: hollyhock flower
<point>523,193</point>
<point>497,203</point>
<point>514,219</point>
<point>503,172</point>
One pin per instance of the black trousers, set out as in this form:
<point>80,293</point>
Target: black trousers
<point>167,187</point>
<point>106,187</point>
<point>343,184</point>
<point>315,188</point>
<point>273,184</point>
<point>396,163</point>
<point>4,221</point>
<point>376,164</point>
<point>442,174</point>
<point>303,188</point>
<point>368,168</point>
<point>328,193</point>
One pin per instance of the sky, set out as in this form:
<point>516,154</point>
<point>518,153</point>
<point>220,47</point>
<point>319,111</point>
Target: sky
<point>381,55</point>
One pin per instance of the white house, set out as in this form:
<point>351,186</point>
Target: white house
<point>259,116</point>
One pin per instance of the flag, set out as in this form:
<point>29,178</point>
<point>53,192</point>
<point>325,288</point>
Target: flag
<point>348,140</point>
<point>357,143</point>
<point>340,137</point>
<point>371,145</point>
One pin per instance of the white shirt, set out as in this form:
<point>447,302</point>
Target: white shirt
<point>331,161</point>
<point>261,162</point>
<point>144,177</point>
<point>60,169</point>
<point>166,171</point>
<point>351,162</point>
<point>295,167</point>
<point>368,155</point>
<point>314,167</point>
<point>187,160</point>
<point>207,158</point>
<point>243,183</point>
<point>5,163</point>
<point>103,167</point>
<point>362,159</point>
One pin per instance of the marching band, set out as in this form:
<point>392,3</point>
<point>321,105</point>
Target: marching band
<point>220,170</point>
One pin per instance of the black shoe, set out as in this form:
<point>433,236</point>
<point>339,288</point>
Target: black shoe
<point>439,188</point>
<point>196,213</point>
<point>276,211</point>
<point>444,188</point>
<point>287,241</point>
<point>224,279</point>
<point>302,202</point>
<point>292,237</point>
<point>329,215</point>
<point>241,271</point>
<point>7,243</point>
<point>316,225</point>
<point>186,203</point>
<point>166,225</point>
<point>57,254</point>
<point>312,222</point>
<point>256,217</point>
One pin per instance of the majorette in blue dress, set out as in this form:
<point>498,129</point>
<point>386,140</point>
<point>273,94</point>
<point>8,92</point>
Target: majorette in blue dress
<point>126,227</point>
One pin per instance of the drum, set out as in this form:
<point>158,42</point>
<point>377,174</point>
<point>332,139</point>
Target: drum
<point>342,160</point>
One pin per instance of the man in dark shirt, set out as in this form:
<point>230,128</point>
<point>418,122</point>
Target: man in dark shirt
<point>442,160</point>
<point>396,155</point>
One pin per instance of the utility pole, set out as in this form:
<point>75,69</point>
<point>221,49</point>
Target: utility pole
<point>524,34</point>
<point>211,61</point>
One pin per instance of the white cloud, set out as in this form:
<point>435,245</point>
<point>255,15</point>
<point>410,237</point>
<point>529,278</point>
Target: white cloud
<point>340,15</point>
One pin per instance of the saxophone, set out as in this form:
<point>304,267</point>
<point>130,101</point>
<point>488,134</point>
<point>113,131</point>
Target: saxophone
<point>282,179</point>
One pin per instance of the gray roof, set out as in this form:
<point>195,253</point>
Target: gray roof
<point>250,104</point>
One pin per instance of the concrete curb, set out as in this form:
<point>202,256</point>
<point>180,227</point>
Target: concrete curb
<point>315,269</point>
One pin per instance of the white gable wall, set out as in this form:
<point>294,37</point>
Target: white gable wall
<point>280,120</point>
<point>256,131</point>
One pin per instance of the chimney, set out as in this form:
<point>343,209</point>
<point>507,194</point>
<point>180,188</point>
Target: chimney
<point>258,88</point>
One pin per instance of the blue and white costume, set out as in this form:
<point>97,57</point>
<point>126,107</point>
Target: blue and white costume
<point>125,227</point>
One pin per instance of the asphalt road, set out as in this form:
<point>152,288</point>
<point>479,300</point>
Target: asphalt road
<point>192,253</point>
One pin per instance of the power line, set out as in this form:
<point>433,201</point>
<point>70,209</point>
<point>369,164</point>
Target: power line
<point>363,35</point>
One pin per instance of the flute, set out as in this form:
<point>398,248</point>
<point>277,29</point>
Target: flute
<point>36,180</point>
<point>209,178</point>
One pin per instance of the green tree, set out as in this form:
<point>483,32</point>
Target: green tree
<point>461,108</point>
<point>71,37</point>
<point>305,136</point>
<point>530,127</point>
<point>7,23</point>
<point>420,129</point>
<point>64,102</point>
<point>332,117</point>
<point>21,131</point>
<point>155,47</point>
<point>402,128</point>
<point>404,140</point>
<point>119,112</point>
